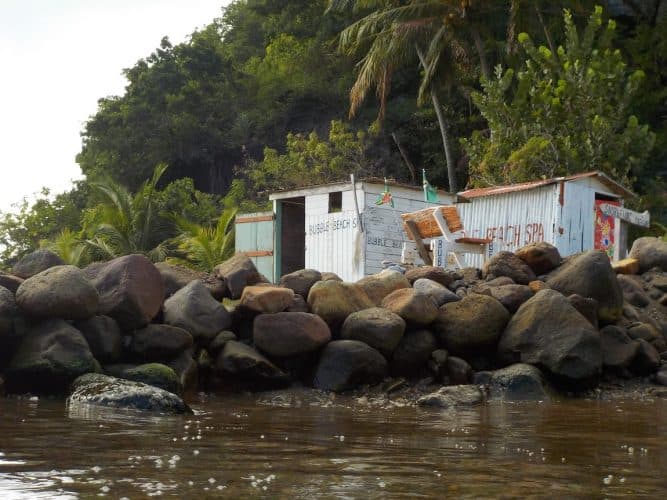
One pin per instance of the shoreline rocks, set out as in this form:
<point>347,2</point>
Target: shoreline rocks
<point>514,336</point>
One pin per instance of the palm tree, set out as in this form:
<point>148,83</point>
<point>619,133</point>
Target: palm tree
<point>204,247</point>
<point>124,223</point>
<point>69,246</point>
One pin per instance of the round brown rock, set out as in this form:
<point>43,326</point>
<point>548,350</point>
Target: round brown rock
<point>541,257</point>
<point>417,309</point>
<point>378,286</point>
<point>286,334</point>
<point>334,301</point>
<point>507,264</point>
<point>377,327</point>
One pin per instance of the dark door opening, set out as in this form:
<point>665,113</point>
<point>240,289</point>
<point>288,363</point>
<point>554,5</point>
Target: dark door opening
<point>292,235</point>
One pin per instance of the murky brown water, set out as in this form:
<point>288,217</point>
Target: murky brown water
<point>240,447</point>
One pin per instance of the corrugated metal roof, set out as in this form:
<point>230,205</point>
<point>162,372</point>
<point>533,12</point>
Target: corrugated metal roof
<point>614,186</point>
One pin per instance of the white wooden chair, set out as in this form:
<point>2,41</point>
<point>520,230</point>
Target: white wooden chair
<point>442,229</point>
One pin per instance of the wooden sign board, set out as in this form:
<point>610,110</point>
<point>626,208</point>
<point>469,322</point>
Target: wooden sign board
<point>638,219</point>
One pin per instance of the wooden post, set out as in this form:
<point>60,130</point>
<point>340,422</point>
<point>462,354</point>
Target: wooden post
<point>414,232</point>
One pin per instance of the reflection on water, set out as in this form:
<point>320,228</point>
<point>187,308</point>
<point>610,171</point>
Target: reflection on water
<point>299,446</point>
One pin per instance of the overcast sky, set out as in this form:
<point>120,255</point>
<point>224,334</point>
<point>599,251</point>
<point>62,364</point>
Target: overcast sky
<point>57,58</point>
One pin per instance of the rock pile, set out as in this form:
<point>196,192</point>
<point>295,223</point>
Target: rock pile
<point>525,326</point>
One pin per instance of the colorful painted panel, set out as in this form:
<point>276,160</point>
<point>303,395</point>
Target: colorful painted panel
<point>604,229</point>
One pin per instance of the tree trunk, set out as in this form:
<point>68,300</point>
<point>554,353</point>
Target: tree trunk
<point>479,45</point>
<point>442,124</point>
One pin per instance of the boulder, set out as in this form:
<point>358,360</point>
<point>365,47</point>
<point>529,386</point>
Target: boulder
<point>249,367</point>
<point>518,382</point>
<point>499,281</point>
<point>130,288</point>
<point>346,364</point>
<point>219,342</point>
<point>36,262</point>
<point>159,342</point>
<point>334,301</point>
<point>328,276</point>
<point>58,292</point>
<point>590,275</point>
<point>379,328</point>
<point>537,285</point>
<point>472,324</point>
<point>8,312</point>
<point>511,296</point>
<point>300,281</point>
<point>644,331</point>
<point>176,277</point>
<point>507,264</point>
<point>547,331</point>
<point>155,374</point>
<point>541,257</point>
<point>103,336</point>
<point>633,290</point>
<point>413,352</point>
<point>586,306</point>
<point>266,299</point>
<point>103,390</point>
<point>646,360</point>
<point>286,334</point>
<point>195,310</point>
<point>457,372</point>
<point>10,282</point>
<point>439,293</point>
<point>378,286</point>
<point>452,397</point>
<point>650,252</point>
<point>298,304</point>
<point>416,308</point>
<point>238,272</point>
<point>187,370</point>
<point>443,276</point>
<point>49,357</point>
<point>618,349</point>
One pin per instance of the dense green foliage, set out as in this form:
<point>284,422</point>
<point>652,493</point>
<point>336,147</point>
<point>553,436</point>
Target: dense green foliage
<point>260,99</point>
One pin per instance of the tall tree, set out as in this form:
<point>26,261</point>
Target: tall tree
<point>562,113</point>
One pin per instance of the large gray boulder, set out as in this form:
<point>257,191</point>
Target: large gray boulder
<point>300,281</point>
<point>288,334</point>
<point>131,289</point>
<point>103,390</point>
<point>511,296</point>
<point>416,308</point>
<point>453,396</point>
<point>541,257</point>
<point>413,353</point>
<point>507,264</point>
<point>334,301</point>
<point>590,275</point>
<point>438,292</point>
<point>548,332</point>
<point>8,312</point>
<point>238,272</point>
<point>378,286</point>
<point>379,328</point>
<point>195,310</point>
<point>618,349</point>
<point>471,325</point>
<point>443,276</point>
<point>36,262</point>
<point>10,282</point>
<point>49,357</point>
<point>518,382</point>
<point>103,336</point>
<point>157,342</point>
<point>249,368</point>
<point>176,277</point>
<point>346,364</point>
<point>58,292</point>
<point>650,252</point>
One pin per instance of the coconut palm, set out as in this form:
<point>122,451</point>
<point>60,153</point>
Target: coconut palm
<point>204,247</point>
<point>125,223</point>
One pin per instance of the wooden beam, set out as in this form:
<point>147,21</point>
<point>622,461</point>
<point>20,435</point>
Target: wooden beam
<point>411,228</point>
<point>258,218</point>
<point>258,253</point>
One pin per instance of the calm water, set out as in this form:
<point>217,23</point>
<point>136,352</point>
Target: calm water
<point>277,447</point>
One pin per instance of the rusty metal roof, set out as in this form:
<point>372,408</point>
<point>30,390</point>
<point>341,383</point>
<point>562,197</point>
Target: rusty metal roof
<point>614,186</point>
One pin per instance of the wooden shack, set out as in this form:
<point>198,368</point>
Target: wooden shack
<point>345,228</point>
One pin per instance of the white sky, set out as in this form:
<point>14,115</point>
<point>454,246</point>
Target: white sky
<point>57,58</point>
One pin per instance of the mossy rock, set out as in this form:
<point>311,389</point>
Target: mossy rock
<point>157,375</point>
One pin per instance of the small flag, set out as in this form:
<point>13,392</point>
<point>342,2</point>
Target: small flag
<point>385,197</point>
<point>430,193</point>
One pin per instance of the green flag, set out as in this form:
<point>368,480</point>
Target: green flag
<point>430,193</point>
